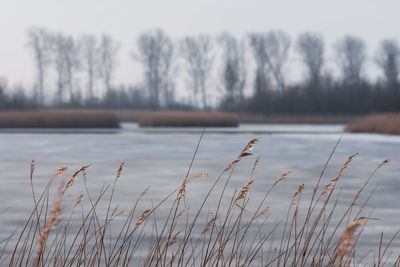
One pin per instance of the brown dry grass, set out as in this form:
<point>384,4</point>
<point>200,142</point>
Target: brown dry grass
<point>293,118</point>
<point>234,233</point>
<point>379,123</point>
<point>58,119</point>
<point>136,115</point>
<point>187,119</point>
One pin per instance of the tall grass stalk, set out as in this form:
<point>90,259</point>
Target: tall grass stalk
<point>232,231</point>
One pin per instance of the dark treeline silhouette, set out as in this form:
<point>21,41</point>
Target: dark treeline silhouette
<point>247,74</point>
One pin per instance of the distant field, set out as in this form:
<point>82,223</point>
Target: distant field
<point>58,119</point>
<point>379,123</point>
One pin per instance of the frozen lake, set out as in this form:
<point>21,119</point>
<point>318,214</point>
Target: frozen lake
<point>159,158</point>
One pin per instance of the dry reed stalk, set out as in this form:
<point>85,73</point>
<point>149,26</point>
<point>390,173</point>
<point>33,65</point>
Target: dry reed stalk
<point>32,169</point>
<point>347,240</point>
<point>181,213</point>
<point>296,195</point>
<point>119,170</point>
<point>256,163</point>
<point>193,179</point>
<point>142,216</point>
<point>245,189</point>
<point>263,212</point>
<point>74,175</point>
<point>79,199</point>
<point>384,162</point>
<point>145,191</point>
<point>172,240</point>
<point>182,189</point>
<point>201,175</point>
<point>58,172</point>
<point>245,152</point>
<point>51,222</point>
<point>329,187</point>
<point>280,178</point>
<point>207,226</point>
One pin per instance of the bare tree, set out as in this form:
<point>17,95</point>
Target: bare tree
<point>257,43</point>
<point>388,58</point>
<point>168,74</point>
<point>108,57</point>
<point>72,65</point>
<point>271,50</point>
<point>156,54</point>
<point>57,42</point>
<point>90,56</point>
<point>234,70</point>
<point>197,53</point>
<point>311,49</point>
<point>66,56</point>
<point>351,57</point>
<point>40,44</point>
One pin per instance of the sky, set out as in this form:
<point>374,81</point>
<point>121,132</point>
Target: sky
<point>371,20</point>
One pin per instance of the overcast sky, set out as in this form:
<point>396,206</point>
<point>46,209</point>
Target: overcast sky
<point>372,20</point>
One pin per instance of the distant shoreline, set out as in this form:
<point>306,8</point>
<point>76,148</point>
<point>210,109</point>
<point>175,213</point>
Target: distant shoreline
<point>39,120</point>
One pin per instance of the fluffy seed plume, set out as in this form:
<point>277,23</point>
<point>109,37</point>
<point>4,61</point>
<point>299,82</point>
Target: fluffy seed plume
<point>119,170</point>
<point>79,199</point>
<point>263,212</point>
<point>32,169</point>
<point>72,180</point>
<point>205,229</point>
<point>383,163</point>
<point>296,195</point>
<point>145,191</point>
<point>331,185</point>
<point>51,222</point>
<point>172,240</point>
<point>256,163</point>
<point>58,172</point>
<point>198,176</point>
<point>347,240</point>
<point>141,217</point>
<point>245,152</point>
<point>245,189</point>
<point>201,175</point>
<point>181,213</point>
<point>182,189</point>
<point>280,178</point>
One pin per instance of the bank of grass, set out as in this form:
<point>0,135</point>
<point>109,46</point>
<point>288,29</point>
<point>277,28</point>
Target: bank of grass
<point>59,119</point>
<point>297,118</point>
<point>137,115</point>
<point>388,123</point>
<point>188,119</point>
<point>231,231</point>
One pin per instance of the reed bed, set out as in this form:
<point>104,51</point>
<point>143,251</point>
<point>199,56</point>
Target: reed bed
<point>297,118</point>
<point>189,119</point>
<point>58,119</point>
<point>388,123</point>
<point>136,115</point>
<point>227,227</point>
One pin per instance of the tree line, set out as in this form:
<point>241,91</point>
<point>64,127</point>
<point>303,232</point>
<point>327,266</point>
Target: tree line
<point>247,74</point>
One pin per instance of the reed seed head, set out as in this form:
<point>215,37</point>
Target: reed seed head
<point>245,189</point>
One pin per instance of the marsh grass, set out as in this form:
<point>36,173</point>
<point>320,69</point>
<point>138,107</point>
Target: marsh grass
<point>137,115</point>
<point>388,123</point>
<point>188,119</point>
<point>58,119</point>
<point>226,228</point>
